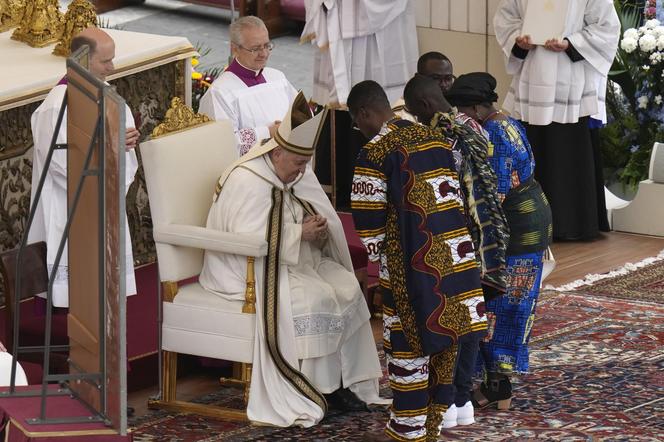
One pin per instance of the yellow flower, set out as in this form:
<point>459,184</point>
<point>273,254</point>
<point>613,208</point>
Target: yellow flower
<point>196,75</point>
<point>194,62</point>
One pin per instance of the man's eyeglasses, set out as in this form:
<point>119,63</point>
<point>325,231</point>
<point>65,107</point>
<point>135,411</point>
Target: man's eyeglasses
<point>256,49</point>
<point>442,78</point>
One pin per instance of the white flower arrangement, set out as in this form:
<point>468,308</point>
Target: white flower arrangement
<point>631,33</point>
<point>648,38</point>
<point>629,44</point>
<point>647,43</point>
<point>652,24</point>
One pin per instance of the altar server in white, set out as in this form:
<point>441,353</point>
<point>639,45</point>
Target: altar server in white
<point>252,96</point>
<point>51,215</point>
<point>360,40</point>
<point>314,346</point>
<point>555,89</point>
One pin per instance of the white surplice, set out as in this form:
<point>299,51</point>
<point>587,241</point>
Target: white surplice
<point>51,215</point>
<point>360,40</point>
<point>547,86</point>
<point>251,109</point>
<point>324,328</point>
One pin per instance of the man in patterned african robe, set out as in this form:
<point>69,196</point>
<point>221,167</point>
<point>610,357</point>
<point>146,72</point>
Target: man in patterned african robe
<point>484,217</point>
<point>408,212</point>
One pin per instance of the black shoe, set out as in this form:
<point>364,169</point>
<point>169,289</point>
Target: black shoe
<point>496,389</point>
<point>345,400</point>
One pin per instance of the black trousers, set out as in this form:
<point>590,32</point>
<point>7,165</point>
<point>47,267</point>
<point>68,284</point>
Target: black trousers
<point>467,352</point>
<point>568,166</point>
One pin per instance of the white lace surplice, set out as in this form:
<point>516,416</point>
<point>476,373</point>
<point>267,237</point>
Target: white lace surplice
<point>251,109</point>
<point>548,86</point>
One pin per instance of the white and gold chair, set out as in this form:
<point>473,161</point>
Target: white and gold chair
<point>182,164</point>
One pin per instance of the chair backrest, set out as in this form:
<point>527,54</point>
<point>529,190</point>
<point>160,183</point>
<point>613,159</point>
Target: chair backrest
<point>34,280</point>
<point>181,172</point>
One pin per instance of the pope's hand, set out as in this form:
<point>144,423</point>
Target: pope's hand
<point>523,41</point>
<point>2,348</point>
<point>131,138</point>
<point>314,227</point>
<point>273,128</point>
<point>556,45</point>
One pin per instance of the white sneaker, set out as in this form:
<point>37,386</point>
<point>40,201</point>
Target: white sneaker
<point>465,415</point>
<point>450,417</point>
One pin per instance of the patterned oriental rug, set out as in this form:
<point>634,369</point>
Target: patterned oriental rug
<point>597,375</point>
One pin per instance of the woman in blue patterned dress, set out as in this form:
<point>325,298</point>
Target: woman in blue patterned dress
<point>505,350</point>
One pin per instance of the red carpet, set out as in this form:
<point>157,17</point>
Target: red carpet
<point>15,411</point>
<point>596,376</point>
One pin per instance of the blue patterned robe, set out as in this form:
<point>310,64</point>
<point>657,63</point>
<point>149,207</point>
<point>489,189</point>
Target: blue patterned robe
<point>514,312</point>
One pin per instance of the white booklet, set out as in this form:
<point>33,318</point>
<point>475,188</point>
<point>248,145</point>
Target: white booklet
<point>544,20</point>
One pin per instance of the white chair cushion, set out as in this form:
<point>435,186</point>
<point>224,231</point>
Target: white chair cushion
<point>201,323</point>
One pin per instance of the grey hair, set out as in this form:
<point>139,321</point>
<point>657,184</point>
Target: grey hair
<point>242,23</point>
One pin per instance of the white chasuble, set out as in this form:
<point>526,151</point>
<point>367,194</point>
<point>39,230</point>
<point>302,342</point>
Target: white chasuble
<point>360,40</point>
<point>251,109</point>
<point>322,332</point>
<point>51,215</point>
<point>548,86</point>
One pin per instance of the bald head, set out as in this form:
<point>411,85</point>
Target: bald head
<point>102,50</point>
<point>424,98</point>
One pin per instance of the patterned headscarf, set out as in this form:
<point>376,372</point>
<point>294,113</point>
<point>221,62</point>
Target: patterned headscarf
<point>489,228</point>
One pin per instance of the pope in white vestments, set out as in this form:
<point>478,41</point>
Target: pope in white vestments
<point>313,335</point>
<point>360,40</point>
<point>252,96</point>
<point>51,215</point>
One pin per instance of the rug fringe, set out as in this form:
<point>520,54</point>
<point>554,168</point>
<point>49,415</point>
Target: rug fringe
<point>592,278</point>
